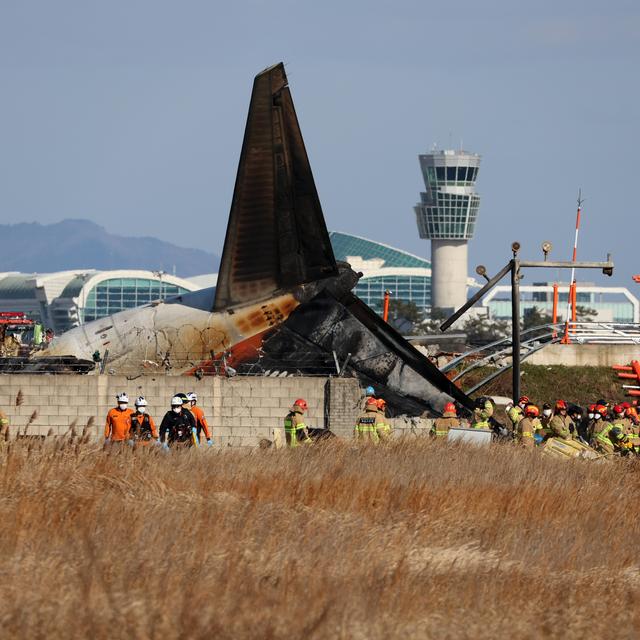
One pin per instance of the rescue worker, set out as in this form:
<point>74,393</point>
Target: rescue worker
<point>295,430</point>
<point>198,416</point>
<point>369,392</point>
<point>482,412</point>
<point>175,429</point>
<point>603,437</point>
<point>118,421</point>
<point>383,428</point>
<point>575,413</point>
<point>545,418</point>
<point>590,421</point>
<point>632,413</point>
<point>515,414</point>
<point>561,425</point>
<point>4,424</point>
<point>365,429</point>
<point>143,428</point>
<point>528,426</point>
<point>629,442</point>
<point>449,419</point>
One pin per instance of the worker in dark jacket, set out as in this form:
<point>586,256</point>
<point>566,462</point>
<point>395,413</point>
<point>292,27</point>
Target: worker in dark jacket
<point>176,429</point>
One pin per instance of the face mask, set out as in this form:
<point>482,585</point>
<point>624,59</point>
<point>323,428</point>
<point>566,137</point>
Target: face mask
<point>522,406</point>
<point>547,412</point>
<point>597,416</point>
<point>590,416</point>
<point>177,409</point>
<point>142,409</point>
<point>577,418</point>
<point>122,406</point>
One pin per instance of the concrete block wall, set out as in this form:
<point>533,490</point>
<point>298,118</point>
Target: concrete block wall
<point>241,411</point>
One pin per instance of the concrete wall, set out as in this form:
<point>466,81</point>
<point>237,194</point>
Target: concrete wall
<point>241,411</point>
<point>448,273</point>
<point>586,355</point>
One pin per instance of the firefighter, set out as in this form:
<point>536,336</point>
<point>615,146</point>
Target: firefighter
<point>515,414</point>
<point>449,419</point>
<point>118,421</point>
<point>369,392</point>
<point>528,426</point>
<point>365,429</point>
<point>482,412</point>
<point>383,428</point>
<point>604,437</point>
<point>590,421</point>
<point>143,428</point>
<point>575,413</point>
<point>198,416</point>
<point>561,425</point>
<point>175,429</point>
<point>295,430</point>
<point>629,440</point>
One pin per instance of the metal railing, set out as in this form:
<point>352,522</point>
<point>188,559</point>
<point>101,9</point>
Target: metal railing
<point>498,353</point>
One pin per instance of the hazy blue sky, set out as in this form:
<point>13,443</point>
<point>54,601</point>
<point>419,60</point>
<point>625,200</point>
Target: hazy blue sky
<point>131,113</point>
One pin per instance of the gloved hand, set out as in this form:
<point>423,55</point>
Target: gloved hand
<point>131,443</point>
<point>165,446</point>
<point>210,443</point>
<point>107,440</point>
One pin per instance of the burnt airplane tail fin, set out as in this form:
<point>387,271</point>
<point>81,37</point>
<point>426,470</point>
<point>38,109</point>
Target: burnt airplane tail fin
<point>276,235</point>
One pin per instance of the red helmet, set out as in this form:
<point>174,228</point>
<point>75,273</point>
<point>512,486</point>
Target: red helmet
<point>300,402</point>
<point>619,409</point>
<point>450,408</point>
<point>601,409</point>
<point>532,410</point>
<point>381,403</point>
<point>561,404</point>
<point>372,402</point>
<point>524,400</point>
<point>626,405</point>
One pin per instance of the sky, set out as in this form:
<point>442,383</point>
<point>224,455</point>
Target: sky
<point>131,113</point>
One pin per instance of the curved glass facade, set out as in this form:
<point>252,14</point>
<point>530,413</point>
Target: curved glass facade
<point>407,276</point>
<point>346,245</point>
<point>117,294</point>
<point>415,288</point>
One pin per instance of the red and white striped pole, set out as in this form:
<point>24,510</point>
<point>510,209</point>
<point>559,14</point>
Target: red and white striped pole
<point>571,302</point>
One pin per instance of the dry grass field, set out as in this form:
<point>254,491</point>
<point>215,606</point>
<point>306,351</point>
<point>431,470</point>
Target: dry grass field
<point>412,540</point>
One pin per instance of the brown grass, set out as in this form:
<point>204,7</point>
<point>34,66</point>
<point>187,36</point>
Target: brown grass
<point>416,539</point>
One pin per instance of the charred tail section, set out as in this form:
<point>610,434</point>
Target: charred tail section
<point>276,236</point>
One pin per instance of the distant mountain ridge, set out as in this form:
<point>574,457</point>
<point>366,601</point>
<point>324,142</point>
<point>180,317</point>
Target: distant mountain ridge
<point>82,244</point>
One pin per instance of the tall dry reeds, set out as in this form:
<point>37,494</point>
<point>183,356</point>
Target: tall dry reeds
<point>415,539</point>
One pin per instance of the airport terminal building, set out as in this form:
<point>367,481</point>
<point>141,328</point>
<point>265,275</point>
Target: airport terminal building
<point>69,298</point>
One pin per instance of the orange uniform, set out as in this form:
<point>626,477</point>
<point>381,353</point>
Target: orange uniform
<point>118,424</point>
<point>201,421</point>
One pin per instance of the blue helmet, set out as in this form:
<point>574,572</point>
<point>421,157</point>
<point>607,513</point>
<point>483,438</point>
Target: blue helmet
<point>370,391</point>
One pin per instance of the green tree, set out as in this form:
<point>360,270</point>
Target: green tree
<point>482,330</point>
<point>585,314</point>
<point>534,317</point>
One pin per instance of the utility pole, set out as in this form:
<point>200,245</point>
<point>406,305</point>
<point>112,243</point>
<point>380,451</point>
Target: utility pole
<point>515,324</point>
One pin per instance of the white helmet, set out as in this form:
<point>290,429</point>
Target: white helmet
<point>141,402</point>
<point>122,398</point>
<point>176,401</point>
<point>192,396</point>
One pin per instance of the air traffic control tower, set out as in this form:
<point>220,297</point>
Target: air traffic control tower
<point>447,216</point>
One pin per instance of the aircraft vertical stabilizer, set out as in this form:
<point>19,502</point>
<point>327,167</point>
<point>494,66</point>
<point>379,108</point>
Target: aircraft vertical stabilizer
<point>276,236</point>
